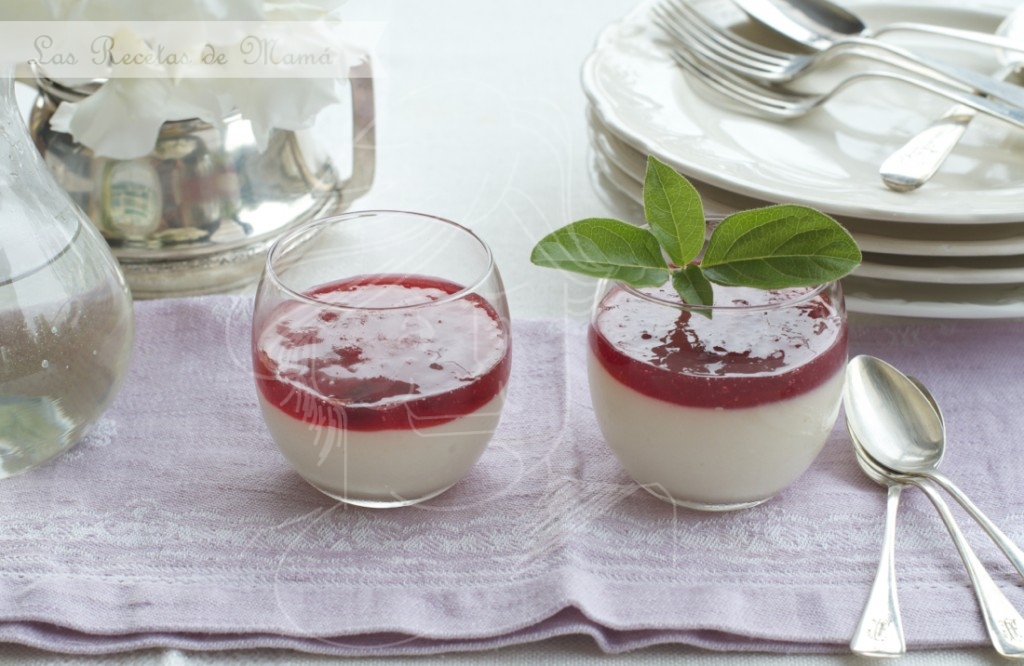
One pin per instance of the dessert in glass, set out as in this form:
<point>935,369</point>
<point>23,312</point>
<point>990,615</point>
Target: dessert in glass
<point>381,352</point>
<point>717,407</point>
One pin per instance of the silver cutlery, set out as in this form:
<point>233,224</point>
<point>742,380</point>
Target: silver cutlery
<point>886,412</point>
<point>775,101</point>
<point>781,15</point>
<point>914,163</point>
<point>762,62</point>
<point>879,631</point>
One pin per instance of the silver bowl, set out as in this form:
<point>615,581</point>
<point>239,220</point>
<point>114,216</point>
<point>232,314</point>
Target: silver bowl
<point>198,214</point>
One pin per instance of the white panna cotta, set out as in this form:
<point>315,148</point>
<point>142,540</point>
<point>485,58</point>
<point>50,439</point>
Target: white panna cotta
<point>385,466</point>
<point>718,413</point>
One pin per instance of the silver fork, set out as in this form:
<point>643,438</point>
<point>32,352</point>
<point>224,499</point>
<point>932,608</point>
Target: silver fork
<point>717,43</point>
<point>776,101</point>
<point>689,26</point>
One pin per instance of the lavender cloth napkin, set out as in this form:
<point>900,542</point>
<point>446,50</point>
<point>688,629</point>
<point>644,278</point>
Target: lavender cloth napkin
<point>176,522</point>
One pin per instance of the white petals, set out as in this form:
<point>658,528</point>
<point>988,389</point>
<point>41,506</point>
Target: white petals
<point>120,120</point>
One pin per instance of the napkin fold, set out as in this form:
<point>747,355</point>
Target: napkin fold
<point>176,522</point>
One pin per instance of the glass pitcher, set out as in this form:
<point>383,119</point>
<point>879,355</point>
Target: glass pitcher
<point>66,322</point>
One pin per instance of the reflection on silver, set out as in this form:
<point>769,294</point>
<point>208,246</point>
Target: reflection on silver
<point>198,213</point>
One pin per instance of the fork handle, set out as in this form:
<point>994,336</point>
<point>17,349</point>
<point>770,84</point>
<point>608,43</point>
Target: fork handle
<point>937,70</point>
<point>914,163</point>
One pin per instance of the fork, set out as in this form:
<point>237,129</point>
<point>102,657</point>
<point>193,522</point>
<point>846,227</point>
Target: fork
<point>717,43</point>
<point>776,101</point>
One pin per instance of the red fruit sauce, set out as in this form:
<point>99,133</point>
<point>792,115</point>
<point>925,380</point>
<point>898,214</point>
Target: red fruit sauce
<point>687,359</point>
<point>369,368</point>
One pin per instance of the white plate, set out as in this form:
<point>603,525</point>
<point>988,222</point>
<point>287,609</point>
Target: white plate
<point>879,236</point>
<point>828,159</point>
<point>944,270</point>
<point>632,186</point>
<point>908,299</point>
<point>631,166</point>
<point>930,297</point>
<point>623,206</point>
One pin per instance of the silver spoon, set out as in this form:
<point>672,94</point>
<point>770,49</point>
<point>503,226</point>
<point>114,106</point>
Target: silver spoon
<point>914,163</point>
<point>819,23</point>
<point>883,404</point>
<point>879,632</point>
<point>921,456</point>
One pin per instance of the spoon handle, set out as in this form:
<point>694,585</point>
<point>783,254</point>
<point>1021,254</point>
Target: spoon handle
<point>1004,624</point>
<point>880,630</point>
<point>1009,548</point>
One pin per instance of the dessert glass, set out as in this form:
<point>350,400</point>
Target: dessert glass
<point>381,352</point>
<point>717,408</point>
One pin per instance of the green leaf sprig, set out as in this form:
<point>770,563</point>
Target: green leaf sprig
<point>775,247</point>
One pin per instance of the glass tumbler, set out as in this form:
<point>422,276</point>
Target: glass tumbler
<point>381,353</point>
<point>722,407</point>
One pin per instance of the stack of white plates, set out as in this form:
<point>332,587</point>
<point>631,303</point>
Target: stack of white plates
<point>954,248</point>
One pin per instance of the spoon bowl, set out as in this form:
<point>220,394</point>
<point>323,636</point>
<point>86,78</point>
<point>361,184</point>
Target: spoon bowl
<point>898,425</point>
<point>931,398</point>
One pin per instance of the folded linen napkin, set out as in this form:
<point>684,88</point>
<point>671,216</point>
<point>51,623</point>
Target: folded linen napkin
<point>176,522</point>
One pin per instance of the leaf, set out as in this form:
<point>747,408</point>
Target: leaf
<point>604,248</point>
<point>674,212</point>
<point>778,247</point>
<point>693,287</point>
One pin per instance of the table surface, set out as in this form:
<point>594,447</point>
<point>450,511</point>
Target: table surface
<point>481,119</point>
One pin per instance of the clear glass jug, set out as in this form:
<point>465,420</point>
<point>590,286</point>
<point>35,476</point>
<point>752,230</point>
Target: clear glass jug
<point>66,321</point>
